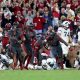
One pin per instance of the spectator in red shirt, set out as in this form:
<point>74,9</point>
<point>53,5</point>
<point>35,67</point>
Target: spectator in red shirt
<point>19,19</point>
<point>38,21</point>
<point>56,15</point>
<point>16,8</point>
<point>5,40</point>
<point>68,1</point>
<point>74,5</point>
<point>77,18</point>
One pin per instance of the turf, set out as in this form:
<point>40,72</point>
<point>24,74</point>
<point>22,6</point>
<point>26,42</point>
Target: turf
<point>40,75</point>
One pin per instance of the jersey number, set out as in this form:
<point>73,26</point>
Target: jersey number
<point>66,34</point>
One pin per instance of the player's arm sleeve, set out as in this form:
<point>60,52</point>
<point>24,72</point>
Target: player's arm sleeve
<point>59,32</point>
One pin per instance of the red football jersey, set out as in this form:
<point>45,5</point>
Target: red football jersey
<point>5,41</point>
<point>77,18</point>
<point>39,22</point>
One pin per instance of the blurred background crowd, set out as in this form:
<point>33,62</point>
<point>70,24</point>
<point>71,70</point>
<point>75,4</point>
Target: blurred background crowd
<point>25,27</point>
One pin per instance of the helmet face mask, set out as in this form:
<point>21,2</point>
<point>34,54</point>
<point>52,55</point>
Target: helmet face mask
<point>49,64</point>
<point>65,27</point>
<point>66,24</point>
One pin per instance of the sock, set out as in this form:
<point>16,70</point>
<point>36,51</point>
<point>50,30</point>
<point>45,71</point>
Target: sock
<point>21,65</point>
<point>61,65</point>
<point>28,61</point>
<point>25,59</point>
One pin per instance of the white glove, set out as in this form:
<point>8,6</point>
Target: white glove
<point>45,40</point>
<point>69,46</point>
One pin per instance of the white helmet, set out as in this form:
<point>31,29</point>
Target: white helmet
<point>44,62</point>
<point>51,60</point>
<point>66,23</point>
<point>30,66</point>
<point>51,63</point>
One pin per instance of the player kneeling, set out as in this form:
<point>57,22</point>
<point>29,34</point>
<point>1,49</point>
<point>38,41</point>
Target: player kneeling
<point>49,64</point>
<point>5,62</point>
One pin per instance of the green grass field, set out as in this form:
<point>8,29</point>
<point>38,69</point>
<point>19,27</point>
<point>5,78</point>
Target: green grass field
<point>40,75</point>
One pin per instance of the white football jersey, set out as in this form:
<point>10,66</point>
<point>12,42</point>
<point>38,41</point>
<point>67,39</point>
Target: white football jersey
<point>79,36</point>
<point>64,33</point>
<point>1,34</point>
